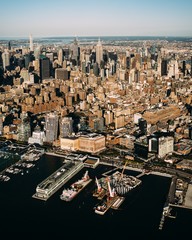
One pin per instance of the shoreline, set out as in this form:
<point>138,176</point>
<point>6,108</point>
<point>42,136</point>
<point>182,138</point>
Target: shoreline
<point>140,170</point>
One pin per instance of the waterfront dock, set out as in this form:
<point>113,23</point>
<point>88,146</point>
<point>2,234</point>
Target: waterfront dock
<point>50,185</point>
<point>110,171</point>
<point>55,154</point>
<point>168,203</point>
<point>188,197</point>
<point>141,174</point>
<point>187,203</point>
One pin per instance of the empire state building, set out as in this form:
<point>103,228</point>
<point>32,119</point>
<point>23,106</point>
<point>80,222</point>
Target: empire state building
<point>99,52</point>
<point>31,43</point>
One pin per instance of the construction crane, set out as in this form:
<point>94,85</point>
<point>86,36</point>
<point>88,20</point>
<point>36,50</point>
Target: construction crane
<point>98,185</point>
<point>121,176</point>
<point>111,192</point>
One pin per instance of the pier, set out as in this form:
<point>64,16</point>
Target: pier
<point>141,174</point>
<point>50,185</point>
<point>168,203</point>
<point>110,171</point>
<point>55,154</point>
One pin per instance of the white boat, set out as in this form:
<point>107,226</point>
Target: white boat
<point>75,188</point>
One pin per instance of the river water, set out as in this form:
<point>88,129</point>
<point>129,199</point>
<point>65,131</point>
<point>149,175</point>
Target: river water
<point>139,216</point>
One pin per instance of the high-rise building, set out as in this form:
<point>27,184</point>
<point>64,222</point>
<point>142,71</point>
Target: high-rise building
<point>61,73</point>
<point>6,59</point>
<point>98,124</point>
<point>1,124</point>
<point>173,70</point>
<point>66,127</point>
<point>190,132</point>
<point>9,45</point>
<point>75,50</point>
<point>38,136</point>
<point>24,129</point>
<point>153,145</point>
<point>24,74</point>
<point>164,67</point>
<point>82,124</point>
<point>109,117</point>
<point>95,69</point>
<point>166,145</point>
<point>37,52</point>
<point>99,52</point>
<point>44,68</point>
<point>60,56</point>
<point>66,53</point>
<point>51,126</point>
<point>184,68</point>
<point>191,66</point>
<point>31,43</point>
<point>27,60</point>
<point>83,66</point>
<point>142,125</point>
<point>50,56</point>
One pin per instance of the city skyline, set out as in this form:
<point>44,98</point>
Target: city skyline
<point>95,18</point>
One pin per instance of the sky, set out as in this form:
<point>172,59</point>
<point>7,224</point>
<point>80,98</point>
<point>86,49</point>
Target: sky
<point>43,18</point>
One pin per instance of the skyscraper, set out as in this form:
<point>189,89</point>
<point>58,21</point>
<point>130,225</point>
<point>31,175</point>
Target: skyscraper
<point>24,129</point>
<point>1,124</point>
<point>44,68</point>
<point>37,52</point>
<point>75,50</point>
<point>9,45</point>
<point>31,43</point>
<point>27,60</point>
<point>99,52</point>
<point>191,66</point>
<point>6,59</point>
<point>60,56</point>
<point>184,68</point>
<point>51,126</point>
<point>164,67</point>
<point>66,127</point>
<point>95,69</point>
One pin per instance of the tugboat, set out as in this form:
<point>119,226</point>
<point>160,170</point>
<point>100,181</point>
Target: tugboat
<point>75,188</point>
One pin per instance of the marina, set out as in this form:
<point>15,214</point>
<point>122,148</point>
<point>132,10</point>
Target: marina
<point>47,214</point>
<point>24,159</point>
<point>32,155</point>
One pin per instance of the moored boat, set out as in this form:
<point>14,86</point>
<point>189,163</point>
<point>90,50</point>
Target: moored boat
<point>75,188</point>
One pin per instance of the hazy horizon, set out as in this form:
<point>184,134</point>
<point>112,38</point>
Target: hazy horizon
<point>91,36</point>
<point>47,18</point>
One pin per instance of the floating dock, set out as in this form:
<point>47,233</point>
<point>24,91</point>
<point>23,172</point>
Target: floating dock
<point>118,203</point>
<point>113,203</point>
<point>50,185</point>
